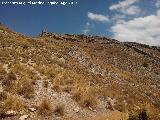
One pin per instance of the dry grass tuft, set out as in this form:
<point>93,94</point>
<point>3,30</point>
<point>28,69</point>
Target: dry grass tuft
<point>120,107</point>
<point>88,101</point>
<point>49,72</point>
<point>11,76</point>
<point>85,96</point>
<point>13,102</point>
<point>3,96</point>
<point>9,81</point>
<point>2,72</point>
<point>45,107</point>
<point>25,87</point>
<point>18,69</point>
<point>76,95</point>
<point>59,110</point>
<point>45,84</point>
<point>145,64</point>
<point>67,89</point>
<point>110,106</point>
<point>56,87</point>
<point>140,115</point>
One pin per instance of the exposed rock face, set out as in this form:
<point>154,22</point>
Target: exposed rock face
<point>86,61</point>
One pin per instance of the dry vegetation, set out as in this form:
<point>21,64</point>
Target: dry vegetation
<point>45,107</point>
<point>9,81</point>
<point>141,114</point>
<point>59,110</point>
<point>88,73</point>
<point>13,102</point>
<point>24,87</point>
<point>85,96</point>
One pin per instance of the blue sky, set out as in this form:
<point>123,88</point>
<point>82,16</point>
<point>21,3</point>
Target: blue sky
<point>125,20</point>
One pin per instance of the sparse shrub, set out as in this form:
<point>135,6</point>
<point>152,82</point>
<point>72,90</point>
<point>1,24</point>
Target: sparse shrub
<point>25,87</point>
<point>2,71</point>
<point>24,45</point>
<point>120,107</point>
<point>9,81</point>
<point>32,75</point>
<point>49,72</point>
<point>56,87</point>
<point>13,102</point>
<point>51,75</point>
<point>45,107</point>
<point>77,96</point>
<point>69,82</point>
<point>110,106</point>
<point>88,101</point>
<point>145,64</point>
<point>86,97</point>
<point>107,92</point>
<point>12,76</point>
<point>141,115</point>
<point>59,110</point>
<point>45,84</point>
<point>18,69</point>
<point>67,89</point>
<point>132,117</point>
<point>3,96</point>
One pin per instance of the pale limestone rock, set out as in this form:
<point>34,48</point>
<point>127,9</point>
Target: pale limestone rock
<point>32,109</point>
<point>23,117</point>
<point>76,110</point>
<point>11,113</point>
<point>90,108</point>
<point>94,110</point>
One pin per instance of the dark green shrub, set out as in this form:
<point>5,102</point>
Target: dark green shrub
<point>145,65</point>
<point>141,115</point>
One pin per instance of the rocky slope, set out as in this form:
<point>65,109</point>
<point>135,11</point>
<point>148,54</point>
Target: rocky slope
<point>60,76</point>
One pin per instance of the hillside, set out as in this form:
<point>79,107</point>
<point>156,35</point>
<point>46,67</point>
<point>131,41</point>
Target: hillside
<point>67,77</point>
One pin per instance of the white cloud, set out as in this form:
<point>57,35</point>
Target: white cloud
<point>97,17</point>
<point>118,18</point>
<point>132,10</point>
<point>157,3</point>
<point>123,4</point>
<point>126,7</point>
<point>145,30</point>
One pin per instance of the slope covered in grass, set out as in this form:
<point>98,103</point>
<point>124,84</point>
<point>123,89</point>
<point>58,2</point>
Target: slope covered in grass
<point>77,76</point>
